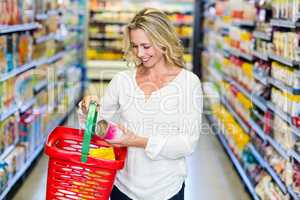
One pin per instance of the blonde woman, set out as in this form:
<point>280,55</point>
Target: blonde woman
<point>159,106</point>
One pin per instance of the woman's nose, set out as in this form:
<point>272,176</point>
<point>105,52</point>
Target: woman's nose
<point>140,52</point>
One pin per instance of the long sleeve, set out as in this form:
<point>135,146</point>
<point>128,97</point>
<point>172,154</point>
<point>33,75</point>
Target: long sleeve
<point>109,102</point>
<point>184,138</point>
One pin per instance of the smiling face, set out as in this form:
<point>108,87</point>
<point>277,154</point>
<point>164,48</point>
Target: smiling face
<point>144,50</point>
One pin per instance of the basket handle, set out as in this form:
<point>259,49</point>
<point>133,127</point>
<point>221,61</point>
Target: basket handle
<point>89,130</point>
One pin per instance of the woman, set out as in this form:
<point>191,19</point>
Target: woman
<point>159,106</point>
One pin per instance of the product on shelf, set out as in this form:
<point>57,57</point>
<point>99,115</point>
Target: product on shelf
<point>262,68</point>
<point>15,160</point>
<point>8,93</point>
<point>243,10</point>
<point>3,49</point>
<point>9,133</point>
<point>3,176</point>
<point>267,190</point>
<point>286,9</point>
<point>267,30</point>
<point>28,114</point>
<point>285,74</point>
<point>263,47</point>
<point>286,44</point>
<point>289,103</point>
<point>24,87</point>
<point>107,23</point>
<point>296,177</point>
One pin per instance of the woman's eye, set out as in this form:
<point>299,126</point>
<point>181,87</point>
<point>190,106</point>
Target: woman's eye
<point>146,47</point>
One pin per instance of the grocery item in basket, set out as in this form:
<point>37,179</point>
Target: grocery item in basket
<point>106,153</point>
<point>108,130</point>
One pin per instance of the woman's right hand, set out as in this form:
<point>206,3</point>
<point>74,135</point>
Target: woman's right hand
<point>84,104</point>
<point>83,109</point>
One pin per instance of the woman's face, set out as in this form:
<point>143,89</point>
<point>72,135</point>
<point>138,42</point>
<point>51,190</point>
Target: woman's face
<point>144,49</point>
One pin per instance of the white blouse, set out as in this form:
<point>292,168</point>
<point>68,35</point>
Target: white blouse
<point>171,120</point>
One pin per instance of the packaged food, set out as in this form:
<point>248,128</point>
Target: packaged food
<point>27,11</point>
<point>3,176</point>
<point>3,49</point>
<point>24,49</point>
<point>10,132</point>
<point>108,130</point>
<point>106,153</point>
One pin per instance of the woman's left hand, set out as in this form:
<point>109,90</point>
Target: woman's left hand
<point>129,139</point>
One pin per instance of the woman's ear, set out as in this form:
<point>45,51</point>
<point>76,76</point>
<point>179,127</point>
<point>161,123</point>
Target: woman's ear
<point>164,49</point>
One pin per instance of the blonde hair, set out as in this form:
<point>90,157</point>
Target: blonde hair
<point>161,33</point>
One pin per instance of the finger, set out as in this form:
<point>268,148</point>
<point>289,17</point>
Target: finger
<point>115,141</point>
<point>123,129</point>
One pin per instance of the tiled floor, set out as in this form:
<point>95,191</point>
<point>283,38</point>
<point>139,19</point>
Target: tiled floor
<point>211,174</point>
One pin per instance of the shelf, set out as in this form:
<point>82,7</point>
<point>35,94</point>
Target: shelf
<point>262,35</point>
<point>247,23</point>
<point>33,157</point>
<point>238,53</point>
<point>252,124</point>
<point>234,160</point>
<point>263,80</point>
<point>257,155</point>
<point>182,23</point>
<point>293,194</point>
<point>41,16</point>
<point>45,38</point>
<point>104,37</point>
<point>53,12</point>
<point>40,86</point>
<point>18,28</point>
<point>8,112</point>
<point>215,73</point>
<point>284,23</point>
<point>20,173</point>
<point>17,71</point>
<point>284,61</point>
<point>7,151</point>
<point>108,22</point>
<point>295,155</point>
<point>238,167</point>
<point>295,130</point>
<point>56,57</point>
<point>25,106</point>
<point>282,86</point>
<point>260,55</point>
<point>235,115</point>
<point>209,4</point>
<point>258,101</point>
<point>278,147</point>
<point>257,129</point>
<point>224,31</point>
<point>279,112</point>
<point>270,170</point>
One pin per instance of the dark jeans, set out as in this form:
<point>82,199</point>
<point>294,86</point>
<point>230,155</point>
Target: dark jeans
<point>116,194</point>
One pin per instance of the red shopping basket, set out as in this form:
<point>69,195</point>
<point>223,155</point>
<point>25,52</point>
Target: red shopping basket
<point>72,175</point>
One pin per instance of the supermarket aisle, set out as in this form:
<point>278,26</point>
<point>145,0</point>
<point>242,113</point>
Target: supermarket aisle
<point>211,174</point>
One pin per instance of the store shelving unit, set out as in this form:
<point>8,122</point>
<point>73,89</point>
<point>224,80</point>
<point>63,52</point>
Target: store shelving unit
<point>106,25</point>
<point>73,93</point>
<point>232,157</point>
<point>219,51</point>
<point>19,28</point>
<point>33,157</point>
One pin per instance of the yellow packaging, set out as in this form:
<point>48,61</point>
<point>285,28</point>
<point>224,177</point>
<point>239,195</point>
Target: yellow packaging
<point>103,153</point>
